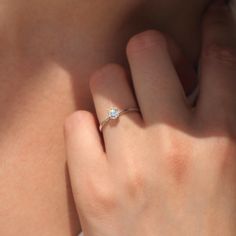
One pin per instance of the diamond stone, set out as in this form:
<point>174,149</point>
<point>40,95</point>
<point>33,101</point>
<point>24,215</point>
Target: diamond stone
<point>113,113</point>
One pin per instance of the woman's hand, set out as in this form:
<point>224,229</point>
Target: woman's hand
<point>170,170</point>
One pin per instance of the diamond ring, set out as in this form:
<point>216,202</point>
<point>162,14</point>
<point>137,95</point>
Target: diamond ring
<point>114,114</point>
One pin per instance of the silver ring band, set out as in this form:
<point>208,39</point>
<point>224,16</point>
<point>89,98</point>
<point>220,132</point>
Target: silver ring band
<point>114,113</point>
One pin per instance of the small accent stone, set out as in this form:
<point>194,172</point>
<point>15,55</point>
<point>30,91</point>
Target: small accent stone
<point>113,113</point>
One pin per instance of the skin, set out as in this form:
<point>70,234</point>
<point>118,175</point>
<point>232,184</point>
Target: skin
<point>170,170</point>
<point>48,52</point>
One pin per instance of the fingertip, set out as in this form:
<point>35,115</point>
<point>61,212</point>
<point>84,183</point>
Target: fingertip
<point>144,40</point>
<point>81,133</point>
<point>76,120</point>
<point>71,121</point>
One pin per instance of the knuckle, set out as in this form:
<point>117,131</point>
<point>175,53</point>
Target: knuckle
<point>178,166</point>
<point>145,40</point>
<point>221,54</point>
<point>102,76</point>
<point>177,158</point>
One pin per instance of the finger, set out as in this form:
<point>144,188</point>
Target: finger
<point>158,89</point>
<point>85,155</point>
<point>110,88</point>
<point>218,64</point>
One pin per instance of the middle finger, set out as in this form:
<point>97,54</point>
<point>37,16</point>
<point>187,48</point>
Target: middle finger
<point>158,88</point>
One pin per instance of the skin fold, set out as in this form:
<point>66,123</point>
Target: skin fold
<point>48,51</point>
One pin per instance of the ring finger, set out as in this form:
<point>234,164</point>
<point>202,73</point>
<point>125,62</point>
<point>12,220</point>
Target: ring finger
<point>110,89</point>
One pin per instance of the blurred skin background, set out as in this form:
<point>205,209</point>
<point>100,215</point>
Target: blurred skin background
<point>48,51</point>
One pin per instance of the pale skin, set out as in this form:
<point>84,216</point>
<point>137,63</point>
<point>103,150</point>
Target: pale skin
<point>170,170</point>
<point>48,50</point>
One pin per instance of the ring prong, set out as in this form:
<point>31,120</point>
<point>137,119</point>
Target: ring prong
<point>113,113</point>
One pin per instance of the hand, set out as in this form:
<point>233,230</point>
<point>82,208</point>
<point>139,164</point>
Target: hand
<point>170,170</point>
